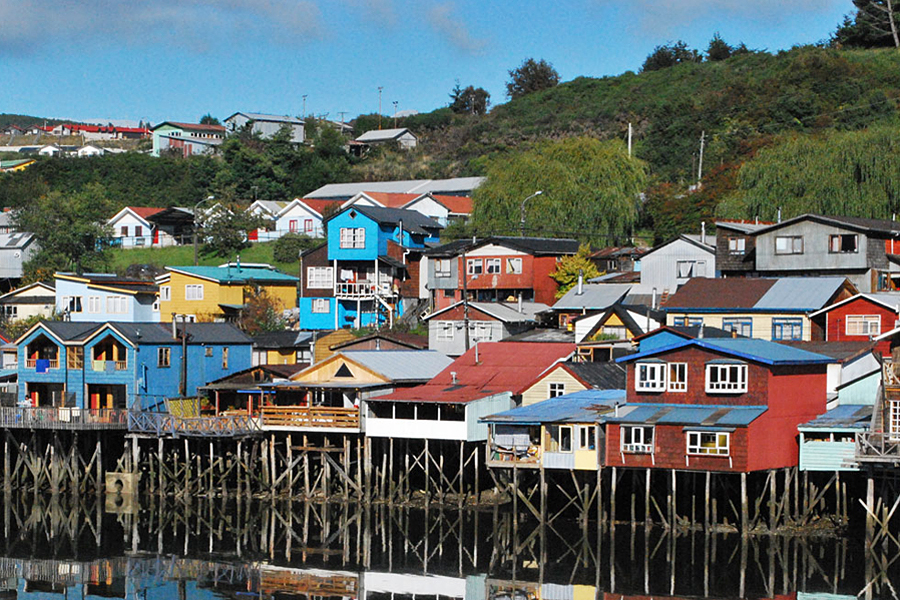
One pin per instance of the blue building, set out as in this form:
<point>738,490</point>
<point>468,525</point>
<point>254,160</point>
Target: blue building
<point>124,365</point>
<point>101,297</point>
<point>357,278</point>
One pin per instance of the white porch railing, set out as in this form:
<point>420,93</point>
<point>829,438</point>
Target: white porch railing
<point>362,289</point>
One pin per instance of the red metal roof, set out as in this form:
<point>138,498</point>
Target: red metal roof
<point>198,126</point>
<point>501,367</point>
<point>145,211</point>
<point>461,205</point>
<point>392,200</point>
<point>320,206</point>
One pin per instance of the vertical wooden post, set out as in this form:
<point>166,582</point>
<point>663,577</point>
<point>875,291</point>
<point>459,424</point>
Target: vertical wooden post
<point>462,481</point>
<point>612,498</point>
<point>706,504</point>
<point>870,506</point>
<point>745,517</point>
<point>772,492</point>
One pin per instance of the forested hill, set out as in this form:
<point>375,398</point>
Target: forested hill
<point>740,103</point>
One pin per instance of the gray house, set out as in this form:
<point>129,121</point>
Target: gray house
<point>402,136</point>
<point>672,264</point>
<point>266,125</point>
<point>15,249</point>
<point>488,322</point>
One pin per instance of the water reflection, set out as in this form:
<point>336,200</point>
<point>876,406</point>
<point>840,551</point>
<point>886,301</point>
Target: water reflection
<point>79,548</point>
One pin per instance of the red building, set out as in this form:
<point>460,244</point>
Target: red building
<point>860,318</point>
<point>724,405</point>
<point>497,269</point>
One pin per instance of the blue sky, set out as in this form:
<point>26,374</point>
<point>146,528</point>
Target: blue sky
<point>179,59</point>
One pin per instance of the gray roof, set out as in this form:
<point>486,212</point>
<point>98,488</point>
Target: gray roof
<point>595,296</point>
<point>412,220</point>
<point>742,226</point>
<point>458,186</point>
<point>280,339</point>
<point>402,365</point>
<point>843,416</point>
<point>382,135</point>
<point>551,335</point>
<point>710,239</point>
<point>15,240</point>
<point>151,333</point>
<point>273,206</point>
<point>599,375</point>
<point>800,293</point>
<point>265,117</point>
<point>508,313</point>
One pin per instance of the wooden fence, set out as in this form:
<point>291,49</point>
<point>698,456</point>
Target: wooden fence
<point>310,416</point>
<point>15,417</point>
<point>165,424</point>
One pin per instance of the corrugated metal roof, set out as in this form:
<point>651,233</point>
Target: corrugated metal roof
<point>233,274</point>
<point>763,351</point>
<point>265,117</point>
<point>402,365</point>
<point>412,220</point>
<point>737,292</point>
<point>743,226</point>
<point>379,135</point>
<point>686,414</point>
<point>579,407</point>
<point>800,293</point>
<point>463,185</point>
<point>853,416</point>
<point>597,296</point>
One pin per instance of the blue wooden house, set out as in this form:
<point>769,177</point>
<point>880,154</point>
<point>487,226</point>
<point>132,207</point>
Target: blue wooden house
<point>357,283</point>
<point>124,365</point>
<point>101,297</point>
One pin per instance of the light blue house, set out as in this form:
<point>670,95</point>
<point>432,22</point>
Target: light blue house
<point>101,297</point>
<point>124,365</point>
<point>367,252</point>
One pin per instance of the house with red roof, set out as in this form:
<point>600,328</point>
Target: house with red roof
<point>490,378</point>
<point>131,227</point>
<point>304,216</point>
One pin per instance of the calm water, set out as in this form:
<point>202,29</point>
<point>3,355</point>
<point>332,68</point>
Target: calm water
<point>86,549</point>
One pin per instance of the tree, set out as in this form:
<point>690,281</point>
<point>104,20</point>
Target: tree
<point>287,248</point>
<point>224,229</point>
<point>208,119</point>
<point>669,55</point>
<point>590,190</point>
<point>261,312</point>
<point>718,49</point>
<point>471,100</point>
<point>70,230</point>
<point>570,267</point>
<point>872,25</point>
<point>531,76</point>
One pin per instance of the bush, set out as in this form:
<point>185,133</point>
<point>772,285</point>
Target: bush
<point>287,248</point>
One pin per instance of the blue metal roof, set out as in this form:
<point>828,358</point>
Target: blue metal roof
<point>687,414</point>
<point>763,351</point>
<point>850,416</point>
<point>578,407</point>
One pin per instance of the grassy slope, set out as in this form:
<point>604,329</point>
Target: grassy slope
<point>184,255</point>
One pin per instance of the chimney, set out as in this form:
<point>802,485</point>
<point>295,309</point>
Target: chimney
<point>702,232</point>
<point>580,289</point>
<point>476,353</point>
<point>520,304</point>
<point>174,326</point>
<point>756,220</point>
<point>779,214</point>
<point>700,333</point>
<point>653,300</point>
<point>453,377</point>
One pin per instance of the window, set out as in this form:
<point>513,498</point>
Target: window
<point>650,377</point>
<point>843,243</point>
<point>293,225</point>
<point>557,389</point>
<point>353,237</point>
<point>445,330</point>
<point>473,266</point>
<point>726,378</point>
<point>319,278</point>
<point>740,326</point>
<point>789,244</point>
<point>493,265</point>
<point>690,268</point>
<point>116,305</point>
<point>10,311</point>
<point>75,357</point>
<point>678,373</point>
<point>514,266</point>
<point>449,293</point>
<point>72,304</point>
<point>224,358</point>
<point>560,438</point>
<point>124,231</point>
<point>787,329</point>
<point>164,357</point>
<point>708,442</point>
<point>586,438</point>
<point>321,305</point>
<point>138,231</point>
<point>442,267</point>
<point>863,324</point>
<point>193,291</point>
<point>165,293</point>
<point>480,331</point>
<point>209,351</point>
<point>637,439</point>
<point>687,321</point>
<point>94,304</point>
<point>736,245</point>
<point>307,225</point>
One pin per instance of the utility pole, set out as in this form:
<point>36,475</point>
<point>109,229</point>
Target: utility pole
<point>700,167</point>
<point>629,140</point>
<point>379,105</point>
<point>395,113</point>
<point>465,275</point>
<point>342,113</point>
<point>304,105</point>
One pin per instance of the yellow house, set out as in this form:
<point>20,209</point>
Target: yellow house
<point>219,293</point>
<point>568,377</point>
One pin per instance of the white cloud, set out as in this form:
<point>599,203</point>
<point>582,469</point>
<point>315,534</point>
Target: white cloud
<point>446,23</point>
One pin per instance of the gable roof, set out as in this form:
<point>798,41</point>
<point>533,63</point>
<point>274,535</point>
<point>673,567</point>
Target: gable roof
<point>579,407</point>
<point>383,135</point>
<point>401,365</point>
<point>12,294</point>
<point>15,240</point>
<point>506,313</point>
<point>193,127</point>
<point>741,226</point>
<point>500,368</point>
<point>458,205</point>
<point>761,351</point>
<point>236,275</point>
<point>272,207</point>
<point>455,185</point>
<point>142,212</point>
<point>410,340</point>
<point>597,375</point>
<point>596,296</point>
<point>265,117</point>
<point>798,294</point>
<point>388,199</point>
<point>412,220</point>
<point>884,299</point>
<point>882,227</point>
<point>690,239</point>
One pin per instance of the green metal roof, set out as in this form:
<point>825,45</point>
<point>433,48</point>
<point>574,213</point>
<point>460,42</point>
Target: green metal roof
<point>237,274</point>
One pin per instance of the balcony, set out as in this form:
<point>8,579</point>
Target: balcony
<point>62,418</point>
<point>310,417</point>
<point>31,363</point>
<point>109,365</point>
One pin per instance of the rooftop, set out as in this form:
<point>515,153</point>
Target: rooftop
<point>762,351</point>
<point>596,296</point>
<point>579,407</point>
<point>412,220</point>
<point>686,414</point>
<point>401,365</point>
<point>455,186</point>
<point>844,416</point>
<point>799,294</point>
<point>235,274</point>
<point>381,135</point>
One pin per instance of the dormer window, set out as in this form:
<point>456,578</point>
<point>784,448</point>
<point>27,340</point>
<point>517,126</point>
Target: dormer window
<point>726,378</point>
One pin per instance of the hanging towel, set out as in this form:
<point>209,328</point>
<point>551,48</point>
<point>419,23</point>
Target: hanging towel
<point>42,365</point>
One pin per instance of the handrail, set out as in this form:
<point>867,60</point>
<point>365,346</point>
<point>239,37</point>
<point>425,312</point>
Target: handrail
<point>878,446</point>
<point>310,416</point>
<point>31,363</point>
<point>166,424</point>
<point>47,417</point>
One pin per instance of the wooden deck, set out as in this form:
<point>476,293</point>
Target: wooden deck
<point>165,424</point>
<point>315,417</point>
<point>75,419</point>
<point>874,447</point>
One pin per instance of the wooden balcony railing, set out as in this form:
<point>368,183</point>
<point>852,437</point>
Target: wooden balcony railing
<point>31,363</point>
<point>499,456</point>
<point>878,447</point>
<point>166,424</point>
<point>14,417</point>
<point>109,365</point>
<point>310,416</point>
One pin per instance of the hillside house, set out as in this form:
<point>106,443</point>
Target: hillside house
<point>266,125</point>
<point>588,299</point>
<point>172,226</point>
<point>34,300</point>
<point>131,227</point>
<point>668,266</point>
<point>487,322</point>
<point>101,297</point>
<point>15,250</point>
<point>736,246</point>
<point>267,210</point>
<point>401,136</point>
<point>186,138</point>
<point>304,216</point>
<point>456,186</point>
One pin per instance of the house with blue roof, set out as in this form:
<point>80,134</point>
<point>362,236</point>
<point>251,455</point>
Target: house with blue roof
<point>716,404</point>
<point>121,365</point>
<point>355,279</point>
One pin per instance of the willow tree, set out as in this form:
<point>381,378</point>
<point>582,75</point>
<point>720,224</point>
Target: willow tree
<point>855,173</point>
<point>590,191</point>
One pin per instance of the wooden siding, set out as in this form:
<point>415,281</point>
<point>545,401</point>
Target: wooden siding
<point>761,327</point>
<point>214,294</point>
<point>827,456</point>
<point>540,391</point>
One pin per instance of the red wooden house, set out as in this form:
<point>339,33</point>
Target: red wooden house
<point>724,405</point>
<point>860,318</point>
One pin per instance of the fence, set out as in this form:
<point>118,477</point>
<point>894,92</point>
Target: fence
<point>14,417</point>
<point>308,416</point>
<point>165,424</point>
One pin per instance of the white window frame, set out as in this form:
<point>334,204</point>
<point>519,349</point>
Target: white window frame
<point>116,305</point>
<point>442,267</point>
<point>587,437</point>
<point>737,245</point>
<point>319,278</point>
<point>635,445</point>
<point>193,291</point>
<point>743,326</point>
<point>480,331</point>
<point>514,266</point>
<point>555,389</point>
<point>493,266</point>
<point>789,244</point>
<point>655,381</point>
<point>863,325</point>
<point>696,447</point>
<point>353,237</point>
<point>445,331</point>
<point>321,305</point>
<point>165,293</point>
<point>728,386</point>
<point>687,321</point>
<point>94,305</point>
<point>474,266</point>
<point>676,377</point>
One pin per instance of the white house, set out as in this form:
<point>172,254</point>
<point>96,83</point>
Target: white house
<point>402,136</point>
<point>266,125</point>
<point>50,150</point>
<point>90,150</point>
<point>303,216</point>
<point>15,250</point>
<point>132,228</point>
<point>267,210</point>
<point>37,299</point>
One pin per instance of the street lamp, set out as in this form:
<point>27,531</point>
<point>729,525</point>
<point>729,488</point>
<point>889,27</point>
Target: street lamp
<point>522,212</point>
<point>196,206</point>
